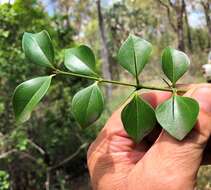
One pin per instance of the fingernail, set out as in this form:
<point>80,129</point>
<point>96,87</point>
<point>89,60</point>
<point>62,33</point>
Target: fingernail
<point>203,96</point>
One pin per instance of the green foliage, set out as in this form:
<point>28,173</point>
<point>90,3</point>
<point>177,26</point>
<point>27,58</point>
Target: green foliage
<point>20,139</point>
<point>178,115</point>
<point>80,60</point>
<point>134,54</point>
<point>174,64</point>
<point>88,105</point>
<point>27,95</point>
<point>38,48</point>
<point>53,119</point>
<point>4,180</point>
<point>138,118</point>
<point>45,127</point>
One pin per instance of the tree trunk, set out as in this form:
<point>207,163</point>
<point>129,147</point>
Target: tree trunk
<point>177,26</point>
<point>180,27</point>
<point>180,35</point>
<point>206,7</point>
<point>188,30</point>
<point>104,51</point>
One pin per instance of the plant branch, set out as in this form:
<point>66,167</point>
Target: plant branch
<point>171,4</point>
<point>21,153</point>
<point>155,88</point>
<point>168,13</point>
<point>66,160</point>
<point>6,154</point>
<point>95,78</point>
<point>117,83</point>
<point>48,180</point>
<point>101,80</point>
<point>37,147</point>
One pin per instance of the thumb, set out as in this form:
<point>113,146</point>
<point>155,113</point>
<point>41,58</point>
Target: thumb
<point>189,152</point>
<point>201,132</point>
<point>202,96</point>
<point>177,162</point>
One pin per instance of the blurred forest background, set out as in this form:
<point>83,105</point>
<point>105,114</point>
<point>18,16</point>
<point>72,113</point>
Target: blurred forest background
<point>49,151</point>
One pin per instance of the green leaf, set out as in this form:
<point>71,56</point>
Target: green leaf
<point>38,48</point>
<point>134,54</point>
<point>178,115</point>
<point>88,105</point>
<point>27,95</point>
<point>80,60</point>
<point>174,64</point>
<point>138,118</point>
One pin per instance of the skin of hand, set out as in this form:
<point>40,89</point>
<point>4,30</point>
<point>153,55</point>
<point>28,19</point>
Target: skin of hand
<point>159,162</point>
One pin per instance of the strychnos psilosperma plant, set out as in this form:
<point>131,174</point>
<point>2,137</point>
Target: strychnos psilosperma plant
<point>177,115</point>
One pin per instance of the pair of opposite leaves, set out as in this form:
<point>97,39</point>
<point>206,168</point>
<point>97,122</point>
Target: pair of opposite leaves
<point>177,115</point>
<point>87,104</point>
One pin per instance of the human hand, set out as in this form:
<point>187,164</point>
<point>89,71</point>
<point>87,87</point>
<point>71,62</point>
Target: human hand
<point>159,162</point>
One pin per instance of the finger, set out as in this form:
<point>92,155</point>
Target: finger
<point>187,87</point>
<point>178,160</point>
<point>114,124</point>
<point>202,94</point>
<point>199,136</point>
<point>156,97</point>
<point>191,87</point>
<point>114,132</point>
<point>203,129</point>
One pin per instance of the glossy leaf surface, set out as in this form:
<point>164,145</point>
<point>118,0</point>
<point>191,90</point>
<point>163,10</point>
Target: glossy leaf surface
<point>174,64</point>
<point>27,95</point>
<point>80,60</point>
<point>178,115</point>
<point>138,118</point>
<point>38,48</point>
<point>134,54</point>
<point>88,105</point>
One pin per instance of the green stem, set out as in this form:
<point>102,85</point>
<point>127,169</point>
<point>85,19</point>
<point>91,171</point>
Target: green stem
<point>95,78</point>
<point>101,80</point>
<point>155,88</point>
<point>77,75</point>
<point>118,83</point>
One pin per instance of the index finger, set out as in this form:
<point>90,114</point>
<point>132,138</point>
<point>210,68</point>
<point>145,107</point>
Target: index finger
<point>114,131</point>
<point>114,124</point>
